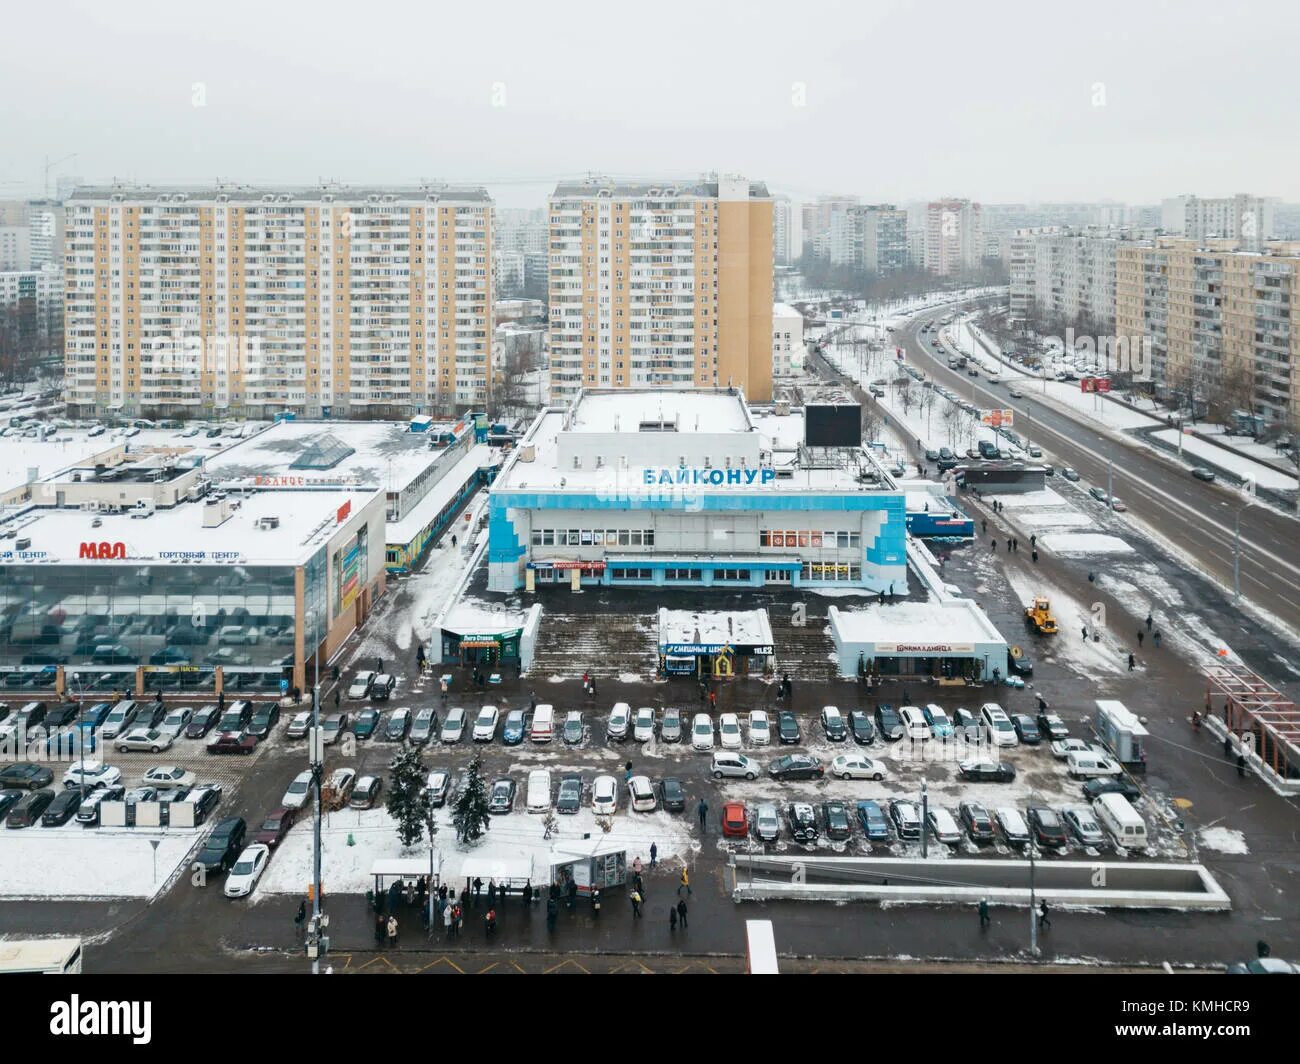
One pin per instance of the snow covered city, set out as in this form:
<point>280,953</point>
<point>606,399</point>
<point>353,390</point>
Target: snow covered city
<point>739,490</point>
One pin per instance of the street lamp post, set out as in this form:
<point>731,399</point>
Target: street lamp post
<point>1033,905</point>
<point>316,759</point>
<point>1236,557</point>
<point>925,819</point>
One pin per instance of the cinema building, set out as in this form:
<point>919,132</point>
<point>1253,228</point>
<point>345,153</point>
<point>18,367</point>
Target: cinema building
<point>654,488</point>
<point>140,575</point>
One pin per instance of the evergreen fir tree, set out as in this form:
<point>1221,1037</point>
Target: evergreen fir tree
<point>408,799</point>
<point>471,815</point>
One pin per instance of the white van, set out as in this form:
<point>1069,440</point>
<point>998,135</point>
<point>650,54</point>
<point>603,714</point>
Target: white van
<point>1087,765</point>
<point>642,795</point>
<point>453,725</point>
<point>539,790</point>
<point>915,725</point>
<point>1118,816</point>
<point>543,726</point>
<point>998,725</point>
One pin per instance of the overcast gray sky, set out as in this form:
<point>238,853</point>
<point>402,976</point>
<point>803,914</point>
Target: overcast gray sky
<point>998,101</point>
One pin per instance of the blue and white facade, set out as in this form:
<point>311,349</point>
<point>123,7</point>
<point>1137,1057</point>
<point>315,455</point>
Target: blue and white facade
<point>657,488</point>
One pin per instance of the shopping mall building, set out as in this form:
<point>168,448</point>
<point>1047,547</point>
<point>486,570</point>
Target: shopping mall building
<point>139,575</point>
<point>655,488</point>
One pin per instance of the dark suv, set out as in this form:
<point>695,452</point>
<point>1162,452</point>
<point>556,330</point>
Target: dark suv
<point>224,844</point>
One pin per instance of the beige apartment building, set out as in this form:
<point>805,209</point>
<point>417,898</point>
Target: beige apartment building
<point>1211,312</point>
<point>329,301</point>
<point>661,286</point>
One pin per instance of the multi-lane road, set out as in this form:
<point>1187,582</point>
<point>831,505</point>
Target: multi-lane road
<point>1198,519</point>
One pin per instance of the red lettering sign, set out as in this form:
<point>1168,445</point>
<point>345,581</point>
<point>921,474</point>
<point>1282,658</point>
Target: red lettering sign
<point>101,551</point>
<point>344,510</point>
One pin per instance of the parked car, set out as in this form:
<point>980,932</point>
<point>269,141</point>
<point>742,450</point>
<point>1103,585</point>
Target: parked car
<point>857,767</point>
<point>514,728</point>
<point>997,725</point>
<point>861,728</point>
<point>169,778</point>
<point>987,771</point>
<point>232,742</point>
<point>1264,966</point>
<point>767,824</point>
<point>729,731</point>
<point>604,795</point>
<point>360,686</point>
<point>397,725</point>
<point>299,791</point>
<point>787,727</point>
<point>119,719</point>
<point>275,827</point>
<point>363,727</point>
<point>298,726</point>
<point>803,822</point>
<point>796,767</point>
<point>247,870</point>
<point>967,725</point>
<point>1012,825</point>
<point>236,716</point>
<point>702,732</point>
<point>366,792</point>
<point>204,798</point>
<point>620,720</point>
<point>61,809</point>
<point>1026,729</point>
<point>942,826</point>
<point>643,727</point>
<point>735,820</point>
<point>424,725</point>
<point>202,722</point>
<point>1063,748</point>
<point>1019,664</point>
<point>1053,727</point>
<point>1086,765</point>
<point>672,794</point>
<point>92,775</point>
<point>730,765</point>
<point>223,845</point>
<point>1080,822</point>
<point>872,820</point>
<point>1094,789</point>
<point>670,727</point>
<point>569,799</point>
<point>836,818</point>
<point>25,775</point>
<point>143,739</point>
<point>1069,474</point>
<point>264,718</point>
<point>1202,473</point>
<point>453,725</point>
<point>833,724</point>
<point>382,688</point>
<point>906,817</point>
<point>1046,826</point>
<point>940,726</point>
<point>889,723</point>
<point>88,810</point>
<point>977,821</point>
<point>573,727</point>
<point>332,726</point>
<point>438,784</point>
<point>29,809</point>
<point>337,791</point>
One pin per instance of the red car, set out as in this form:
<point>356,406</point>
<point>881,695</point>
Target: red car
<point>735,821</point>
<point>233,742</point>
<point>275,827</point>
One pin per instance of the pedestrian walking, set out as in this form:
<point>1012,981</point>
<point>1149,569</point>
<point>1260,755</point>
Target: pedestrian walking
<point>552,913</point>
<point>1044,921</point>
<point>1241,765</point>
<point>301,917</point>
<point>681,912</point>
<point>1085,633</point>
<point>593,687</point>
<point>636,865</point>
<point>478,890</point>
<point>448,917</point>
<point>703,810</point>
<point>993,546</point>
<point>1034,556</point>
<point>532,701</point>
<point>379,664</point>
<point>984,913</point>
<point>460,920</point>
<point>381,929</point>
<point>489,923</point>
<point>1132,662</point>
<point>336,698</point>
<point>672,918</point>
<point>528,893</point>
<point>492,892</point>
<point>1156,640</point>
<point>685,882</point>
<point>654,855</point>
<point>984,525</point>
<point>1149,620</point>
<point>1140,638</point>
<point>1008,546</point>
<point>392,932</point>
<point>639,883</point>
<point>713,699</point>
<point>1015,545</point>
<point>1033,541</point>
<point>636,904</point>
<point>595,902</point>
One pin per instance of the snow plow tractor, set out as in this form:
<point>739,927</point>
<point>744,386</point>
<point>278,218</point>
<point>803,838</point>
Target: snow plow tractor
<point>1039,617</point>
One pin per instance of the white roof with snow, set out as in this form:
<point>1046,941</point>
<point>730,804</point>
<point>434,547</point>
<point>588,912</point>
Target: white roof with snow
<point>714,628</point>
<point>420,515</point>
<point>691,411</point>
<point>915,624</point>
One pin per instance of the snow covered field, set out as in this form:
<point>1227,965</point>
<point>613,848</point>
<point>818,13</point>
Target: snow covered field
<point>76,862</point>
<point>1243,467</point>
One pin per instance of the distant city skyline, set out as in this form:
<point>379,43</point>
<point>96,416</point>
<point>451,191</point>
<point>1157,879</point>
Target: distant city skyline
<point>895,102</point>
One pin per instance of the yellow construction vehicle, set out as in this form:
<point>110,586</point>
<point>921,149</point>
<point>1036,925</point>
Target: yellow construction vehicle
<point>1039,616</point>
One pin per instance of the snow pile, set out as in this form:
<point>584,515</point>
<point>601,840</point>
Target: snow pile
<point>1086,657</point>
<point>1084,543</point>
<point>76,862</point>
<point>1223,840</point>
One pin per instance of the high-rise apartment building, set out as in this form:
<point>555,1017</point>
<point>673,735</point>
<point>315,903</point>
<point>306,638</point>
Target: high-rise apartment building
<point>822,220</point>
<point>1215,317</point>
<point>1065,277</point>
<point>954,236</point>
<point>661,286</point>
<point>870,238</point>
<point>15,247</point>
<point>327,301</point>
<point>784,220</point>
<point>1244,218</point>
